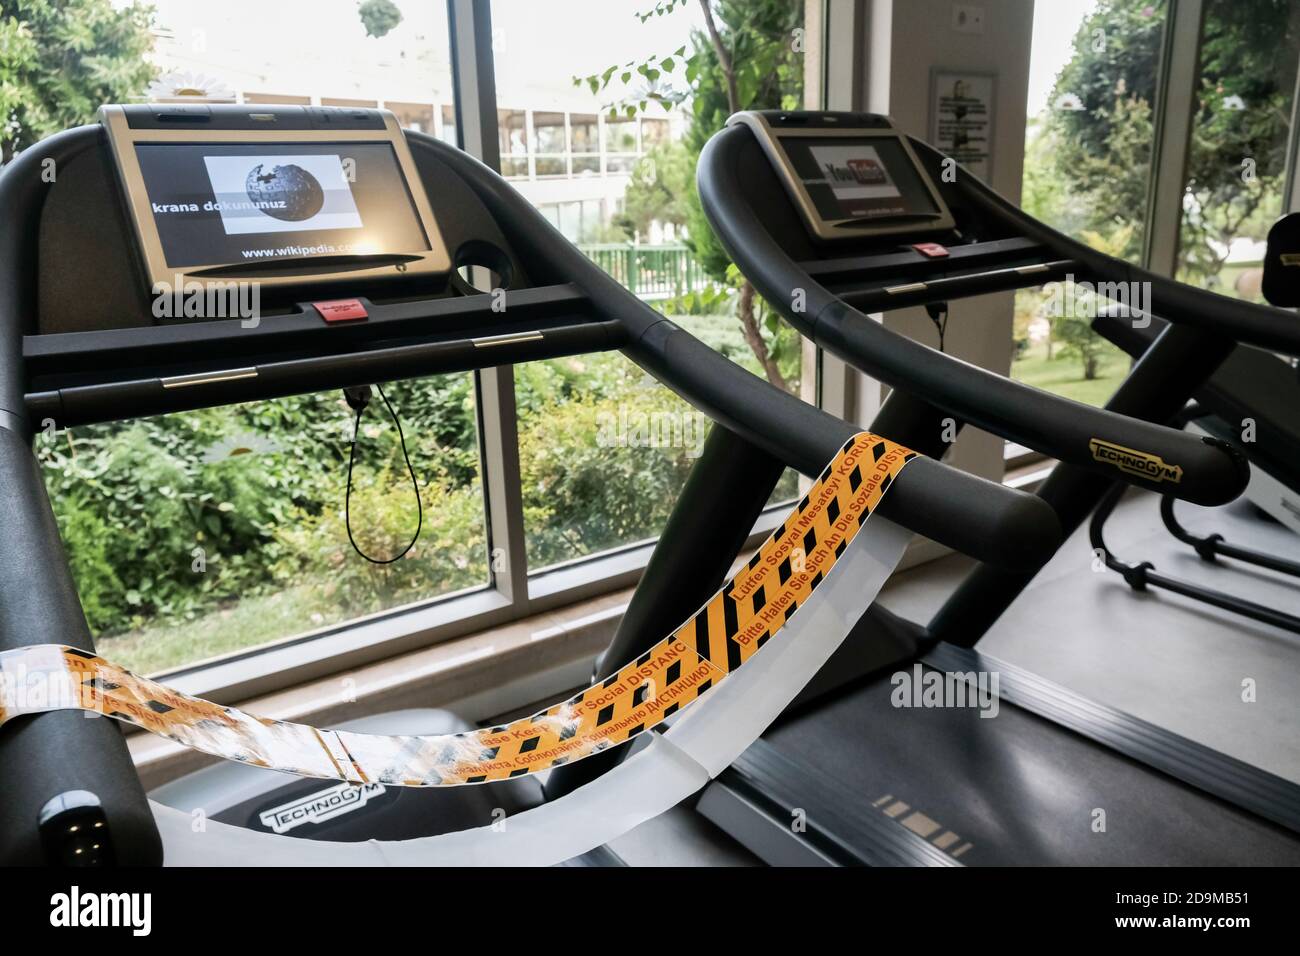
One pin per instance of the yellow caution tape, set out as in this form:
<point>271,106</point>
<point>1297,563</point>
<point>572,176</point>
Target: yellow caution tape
<point>733,626</point>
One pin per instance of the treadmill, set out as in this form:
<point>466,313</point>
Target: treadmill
<point>833,216</point>
<point>153,198</point>
<point>80,257</point>
<point>1252,385</point>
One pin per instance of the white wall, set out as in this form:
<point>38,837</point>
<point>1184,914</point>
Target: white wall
<point>904,40</point>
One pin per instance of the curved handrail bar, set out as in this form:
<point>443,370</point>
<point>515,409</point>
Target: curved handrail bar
<point>1211,472</point>
<point>1265,326</point>
<point>968,514</point>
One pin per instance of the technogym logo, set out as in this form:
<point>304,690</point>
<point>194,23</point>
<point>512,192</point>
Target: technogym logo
<point>75,908</point>
<point>1134,462</point>
<point>925,687</point>
<point>320,806</point>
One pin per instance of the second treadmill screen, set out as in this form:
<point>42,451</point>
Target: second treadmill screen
<point>868,178</point>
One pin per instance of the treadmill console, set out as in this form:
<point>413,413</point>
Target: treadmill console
<point>276,194</point>
<point>850,175</point>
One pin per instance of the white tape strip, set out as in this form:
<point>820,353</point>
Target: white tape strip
<point>700,744</point>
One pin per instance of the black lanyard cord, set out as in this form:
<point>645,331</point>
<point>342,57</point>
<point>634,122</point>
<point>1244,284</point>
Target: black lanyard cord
<point>938,312</point>
<point>360,406</point>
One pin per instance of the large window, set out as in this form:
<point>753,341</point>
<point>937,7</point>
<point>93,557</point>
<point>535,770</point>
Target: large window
<point>218,533</point>
<point>1088,172</point>
<point>203,533</point>
<point>603,448</point>
<point>1241,124</point>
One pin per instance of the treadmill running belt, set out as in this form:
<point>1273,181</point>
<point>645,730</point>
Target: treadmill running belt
<point>1015,789</point>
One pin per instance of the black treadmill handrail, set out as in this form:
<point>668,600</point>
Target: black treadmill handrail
<point>925,499</point>
<point>963,256</point>
<point>1212,473</point>
<point>61,752</point>
<point>951,285</point>
<point>390,318</point>
<point>220,384</point>
<point>1250,323</point>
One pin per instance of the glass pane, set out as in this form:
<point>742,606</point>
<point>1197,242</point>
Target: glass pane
<point>625,200</point>
<point>514,167</point>
<point>604,450</point>
<point>1092,88</point>
<point>619,164</point>
<point>202,533</point>
<point>512,136</point>
<point>550,166</point>
<point>1237,160</point>
<point>448,132</point>
<point>585,129</point>
<point>653,132</point>
<point>620,136</point>
<point>549,128</point>
<point>416,116</point>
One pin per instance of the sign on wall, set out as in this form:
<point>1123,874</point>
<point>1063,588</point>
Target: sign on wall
<point>961,118</point>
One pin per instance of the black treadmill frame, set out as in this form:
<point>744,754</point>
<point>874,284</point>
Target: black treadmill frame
<point>61,753</point>
<point>1143,574</point>
<point>840,290</point>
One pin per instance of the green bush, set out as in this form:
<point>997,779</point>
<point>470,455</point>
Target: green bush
<point>449,554</point>
<point>167,518</point>
<point>588,486</point>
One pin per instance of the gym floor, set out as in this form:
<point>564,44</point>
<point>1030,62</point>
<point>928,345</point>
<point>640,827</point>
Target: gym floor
<point>1169,660</point>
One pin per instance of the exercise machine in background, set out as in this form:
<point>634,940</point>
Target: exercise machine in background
<point>833,216</point>
<point>1252,401</point>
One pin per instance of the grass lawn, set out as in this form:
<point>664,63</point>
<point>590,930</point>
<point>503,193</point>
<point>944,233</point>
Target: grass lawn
<point>1064,376</point>
<point>247,623</point>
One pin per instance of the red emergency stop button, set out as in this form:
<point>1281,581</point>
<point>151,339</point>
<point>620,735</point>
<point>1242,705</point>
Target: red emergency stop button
<point>341,310</point>
<point>931,250</point>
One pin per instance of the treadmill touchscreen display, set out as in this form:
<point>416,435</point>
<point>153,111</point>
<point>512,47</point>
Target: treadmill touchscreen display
<point>860,179</point>
<point>228,203</point>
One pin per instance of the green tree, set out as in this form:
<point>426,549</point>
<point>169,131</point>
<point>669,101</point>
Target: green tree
<point>60,60</point>
<point>1240,129</point>
<point>1075,330</point>
<point>1102,147</point>
<point>747,57</point>
<point>659,189</point>
<point>379,16</point>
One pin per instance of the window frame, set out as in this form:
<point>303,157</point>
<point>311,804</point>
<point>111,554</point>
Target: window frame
<point>1173,121</point>
<point>512,591</point>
